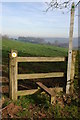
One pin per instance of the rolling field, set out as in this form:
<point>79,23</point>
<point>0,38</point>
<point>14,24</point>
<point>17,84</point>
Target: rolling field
<point>29,49</point>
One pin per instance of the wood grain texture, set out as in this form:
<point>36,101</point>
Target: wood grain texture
<point>40,59</point>
<point>40,75</point>
<point>13,76</point>
<point>70,49</point>
<point>32,91</point>
<point>26,92</point>
<point>74,53</point>
<point>46,89</point>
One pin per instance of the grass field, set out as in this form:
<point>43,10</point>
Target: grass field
<point>29,49</point>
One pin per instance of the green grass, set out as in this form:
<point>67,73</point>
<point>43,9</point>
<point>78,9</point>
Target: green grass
<point>38,103</point>
<point>29,49</point>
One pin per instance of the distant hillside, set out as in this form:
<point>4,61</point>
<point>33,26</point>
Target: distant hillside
<point>29,49</point>
<point>32,40</point>
<point>55,41</point>
<point>63,42</point>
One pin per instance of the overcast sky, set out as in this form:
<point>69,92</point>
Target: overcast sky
<point>29,19</point>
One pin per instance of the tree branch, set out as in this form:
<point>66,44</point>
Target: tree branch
<point>60,5</point>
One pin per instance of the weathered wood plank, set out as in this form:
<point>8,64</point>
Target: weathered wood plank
<point>13,76</point>
<point>40,59</point>
<point>26,92</point>
<point>52,99</point>
<point>46,89</point>
<point>15,79</point>
<point>70,49</point>
<point>74,53</point>
<point>11,95</point>
<point>40,75</point>
<point>56,89</point>
<point>30,92</point>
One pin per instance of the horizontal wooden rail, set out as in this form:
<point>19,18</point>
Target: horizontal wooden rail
<point>40,75</point>
<point>40,59</point>
<point>26,92</point>
<point>32,91</point>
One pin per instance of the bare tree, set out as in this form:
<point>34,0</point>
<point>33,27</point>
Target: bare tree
<point>61,4</point>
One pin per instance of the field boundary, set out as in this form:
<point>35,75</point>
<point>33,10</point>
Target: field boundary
<point>14,76</point>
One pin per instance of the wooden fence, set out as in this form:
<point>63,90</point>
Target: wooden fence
<point>14,76</point>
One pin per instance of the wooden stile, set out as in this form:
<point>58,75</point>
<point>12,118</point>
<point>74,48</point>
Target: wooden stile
<point>14,76</point>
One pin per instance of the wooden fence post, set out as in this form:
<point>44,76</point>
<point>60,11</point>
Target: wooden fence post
<point>70,50</point>
<point>13,75</point>
<point>74,53</point>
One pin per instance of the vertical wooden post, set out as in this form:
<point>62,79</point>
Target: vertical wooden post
<point>70,50</point>
<point>13,75</point>
<point>74,53</point>
<point>52,99</point>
